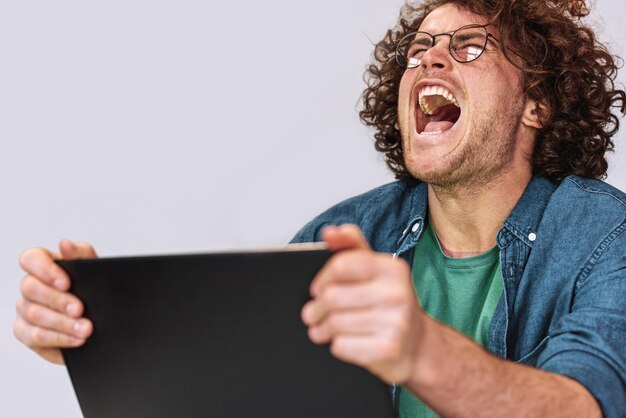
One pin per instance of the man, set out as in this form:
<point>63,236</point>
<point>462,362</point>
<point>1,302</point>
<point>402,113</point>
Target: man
<point>505,294</point>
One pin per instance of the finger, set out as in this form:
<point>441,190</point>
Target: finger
<point>37,338</point>
<point>39,262</point>
<point>354,322</point>
<point>36,291</point>
<point>75,250</point>
<point>356,349</point>
<point>343,237</point>
<point>344,295</point>
<point>350,265</point>
<point>43,317</point>
<point>349,295</point>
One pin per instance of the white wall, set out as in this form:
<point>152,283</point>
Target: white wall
<point>160,126</point>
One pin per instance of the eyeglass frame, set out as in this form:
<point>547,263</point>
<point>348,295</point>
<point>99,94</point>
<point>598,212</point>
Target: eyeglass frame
<point>434,40</point>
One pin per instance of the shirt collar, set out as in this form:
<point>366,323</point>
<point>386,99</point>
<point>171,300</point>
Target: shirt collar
<point>418,213</point>
<point>524,220</point>
<point>522,223</point>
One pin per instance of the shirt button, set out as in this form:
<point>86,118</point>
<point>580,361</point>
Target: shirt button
<point>532,237</point>
<point>415,226</point>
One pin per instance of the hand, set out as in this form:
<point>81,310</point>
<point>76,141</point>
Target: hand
<point>365,306</point>
<point>48,316</point>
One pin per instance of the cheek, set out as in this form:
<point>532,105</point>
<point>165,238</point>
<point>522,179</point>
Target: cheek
<point>491,96</point>
<point>511,80</point>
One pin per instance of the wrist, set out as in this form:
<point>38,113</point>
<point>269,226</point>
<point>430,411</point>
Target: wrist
<point>424,367</point>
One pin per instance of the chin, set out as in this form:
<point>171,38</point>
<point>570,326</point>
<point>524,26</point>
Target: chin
<point>436,175</point>
<point>437,158</point>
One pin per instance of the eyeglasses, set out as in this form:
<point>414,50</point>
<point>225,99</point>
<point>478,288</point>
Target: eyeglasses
<point>466,45</point>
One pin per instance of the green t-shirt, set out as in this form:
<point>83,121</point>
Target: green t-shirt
<point>460,292</point>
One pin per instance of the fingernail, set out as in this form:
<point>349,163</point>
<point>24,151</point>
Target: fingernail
<point>80,327</point>
<point>59,284</point>
<point>72,308</point>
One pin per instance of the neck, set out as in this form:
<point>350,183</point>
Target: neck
<point>467,219</point>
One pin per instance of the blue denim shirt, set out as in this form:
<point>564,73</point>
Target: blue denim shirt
<point>563,262</point>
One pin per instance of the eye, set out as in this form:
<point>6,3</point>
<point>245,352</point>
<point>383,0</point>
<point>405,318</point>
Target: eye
<point>467,45</point>
<point>416,51</point>
<point>411,49</point>
<point>465,41</point>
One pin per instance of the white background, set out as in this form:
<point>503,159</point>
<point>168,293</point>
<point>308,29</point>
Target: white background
<point>161,126</point>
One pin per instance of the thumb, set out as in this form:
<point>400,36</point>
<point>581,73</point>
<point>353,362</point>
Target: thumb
<point>344,237</point>
<point>71,250</point>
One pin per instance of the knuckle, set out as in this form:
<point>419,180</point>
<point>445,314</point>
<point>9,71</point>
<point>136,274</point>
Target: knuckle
<point>30,258</point>
<point>36,337</point>
<point>34,313</point>
<point>334,266</point>
<point>28,286</point>
<point>58,300</point>
<point>330,296</point>
<point>333,323</point>
<point>25,257</point>
<point>42,338</point>
<point>340,265</point>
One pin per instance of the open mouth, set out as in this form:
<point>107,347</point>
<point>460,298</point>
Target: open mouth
<point>437,112</point>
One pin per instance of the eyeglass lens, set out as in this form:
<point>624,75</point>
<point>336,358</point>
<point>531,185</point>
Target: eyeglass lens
<point>466,44</point>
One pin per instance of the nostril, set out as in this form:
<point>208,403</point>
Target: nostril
<point>437,65</point>
<point>437,57</point>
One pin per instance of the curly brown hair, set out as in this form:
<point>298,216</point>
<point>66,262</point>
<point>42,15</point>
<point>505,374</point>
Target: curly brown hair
<point>564,65</point>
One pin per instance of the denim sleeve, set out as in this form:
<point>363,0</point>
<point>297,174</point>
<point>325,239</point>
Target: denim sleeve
<point>311,232</point>
<point>589,343</point>
<point>342,213</point>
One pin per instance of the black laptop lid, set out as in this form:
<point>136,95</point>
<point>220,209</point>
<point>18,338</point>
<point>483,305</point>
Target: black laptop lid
<point>210,335</point>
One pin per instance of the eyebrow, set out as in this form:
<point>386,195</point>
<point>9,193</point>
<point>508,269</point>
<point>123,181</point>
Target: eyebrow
<point>422,41</point>
<point>477,25</point>
<point>464,37</point>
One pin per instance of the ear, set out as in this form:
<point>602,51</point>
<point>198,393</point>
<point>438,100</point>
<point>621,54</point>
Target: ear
<point>535,113</point>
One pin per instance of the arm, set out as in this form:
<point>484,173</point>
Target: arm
<point>364,305</point>
<point>457,377</point>
<point>48,316</point>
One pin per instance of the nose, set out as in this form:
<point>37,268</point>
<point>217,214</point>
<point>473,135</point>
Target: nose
<point>438,56</point>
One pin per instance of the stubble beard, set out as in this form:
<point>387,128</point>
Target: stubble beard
<point>485,153</point>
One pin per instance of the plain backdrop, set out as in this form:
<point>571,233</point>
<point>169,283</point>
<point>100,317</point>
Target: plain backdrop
<point>169,126</point>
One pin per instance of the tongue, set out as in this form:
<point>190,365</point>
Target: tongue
<point>440,126</point>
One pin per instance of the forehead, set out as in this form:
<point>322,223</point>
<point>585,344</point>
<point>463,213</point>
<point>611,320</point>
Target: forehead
<point>448,18</point>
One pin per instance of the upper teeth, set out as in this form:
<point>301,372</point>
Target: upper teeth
<point>439,96</point>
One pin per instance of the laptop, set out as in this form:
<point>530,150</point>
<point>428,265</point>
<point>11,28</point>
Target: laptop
<point>210,335</point>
